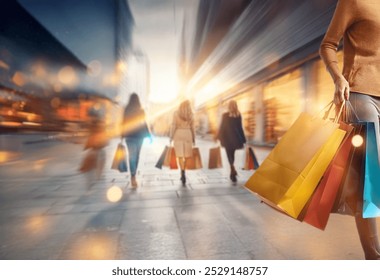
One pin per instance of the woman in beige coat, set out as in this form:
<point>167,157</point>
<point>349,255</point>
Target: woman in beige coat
<point>183,135</point>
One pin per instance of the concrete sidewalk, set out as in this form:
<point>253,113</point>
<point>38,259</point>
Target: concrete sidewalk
<point>48,213</point>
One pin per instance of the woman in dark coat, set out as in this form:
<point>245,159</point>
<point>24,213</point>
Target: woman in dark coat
<point>231,135</point>
<point>134,129</point>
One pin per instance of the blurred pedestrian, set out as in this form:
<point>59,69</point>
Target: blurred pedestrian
<point>94,160</point>
<point>134,129</point>
<point>358,23</point>
<point>231,135</point>
<point>182,134</point>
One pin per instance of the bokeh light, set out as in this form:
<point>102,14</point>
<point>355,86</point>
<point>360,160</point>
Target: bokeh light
<point>19,79</point>
<point>55,102</point>
<point>67,76</point>
<point>357,140</point>
<point>114,194</point>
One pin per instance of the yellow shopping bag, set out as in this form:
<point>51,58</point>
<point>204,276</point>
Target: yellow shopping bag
<point>290,157</point>
<point>296,197</point>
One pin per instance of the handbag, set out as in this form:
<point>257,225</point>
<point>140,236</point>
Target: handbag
<point>120,159</point>
<point>251,162</point>
<point>194,162</point>
<point>215,158</point>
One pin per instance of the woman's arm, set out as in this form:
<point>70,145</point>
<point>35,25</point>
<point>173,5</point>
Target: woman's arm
<point>192,130</point>
<point>343,17</point>
<point>242,134</point>
<point>172,127</point>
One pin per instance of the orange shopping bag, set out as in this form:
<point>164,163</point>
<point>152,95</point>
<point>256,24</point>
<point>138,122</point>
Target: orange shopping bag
<point>195,162</point>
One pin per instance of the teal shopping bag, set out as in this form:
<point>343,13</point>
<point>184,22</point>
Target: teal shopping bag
<point>371,195</point>
<point>120,159</point>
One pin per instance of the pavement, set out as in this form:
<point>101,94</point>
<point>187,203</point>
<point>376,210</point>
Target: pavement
<point>47,212</point>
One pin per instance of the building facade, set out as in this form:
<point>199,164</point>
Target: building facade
<point>59,59</point>
<point>268,61</point>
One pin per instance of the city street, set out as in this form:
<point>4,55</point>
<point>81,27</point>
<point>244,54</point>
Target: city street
<point>47,212</point>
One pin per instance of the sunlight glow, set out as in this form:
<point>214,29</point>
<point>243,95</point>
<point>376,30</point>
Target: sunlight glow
<point>164,82</point>
<point>357,141</point>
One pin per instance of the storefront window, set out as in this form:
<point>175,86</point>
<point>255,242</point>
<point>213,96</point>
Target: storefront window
<point>324,86</point>
<point>247,109</point>
<point>283,102</point>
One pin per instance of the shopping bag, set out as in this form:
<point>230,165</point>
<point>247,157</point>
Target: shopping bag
<point>371,193</point>
<point>170,158</point>
<point>351,188</point>
<point>298,194</point>
<point>215,158</point>
<point>195,162</point>
<point>161,159</point>
<point>120,159</point>
<point>250,162</point>
<point>286,168</point>
<point>173,159</point>
<point>321,203</point>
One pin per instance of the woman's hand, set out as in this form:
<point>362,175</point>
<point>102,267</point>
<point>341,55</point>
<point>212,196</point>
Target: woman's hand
<point>342,90</point>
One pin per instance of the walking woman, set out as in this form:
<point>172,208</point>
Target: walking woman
<point>231,135</point>
<point>183,135</point>
<point>358,23</point>
<point>94,161</point>
<point>134,129</point>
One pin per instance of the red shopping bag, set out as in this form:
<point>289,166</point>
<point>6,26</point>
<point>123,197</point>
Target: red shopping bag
<point>250,162</point>
<point>321,203</point>
<point>170,158</point>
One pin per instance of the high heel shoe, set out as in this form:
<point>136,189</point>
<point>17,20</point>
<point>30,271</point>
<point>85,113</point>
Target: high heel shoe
<point>183,177</point>
<point>233,174</point>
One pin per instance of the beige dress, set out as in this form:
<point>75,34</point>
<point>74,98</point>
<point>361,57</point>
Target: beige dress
<point>182,133</point>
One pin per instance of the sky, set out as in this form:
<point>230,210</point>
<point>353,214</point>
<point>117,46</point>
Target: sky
<point>157,33</point>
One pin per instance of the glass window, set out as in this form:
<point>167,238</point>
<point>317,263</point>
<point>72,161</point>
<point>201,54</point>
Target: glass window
<point>283,102</point>
<point>324,86</point>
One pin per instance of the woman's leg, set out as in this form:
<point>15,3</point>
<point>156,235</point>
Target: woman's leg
<point>182,165</point>
<point>134,149</point>
<point>230,156</point>
<point>101,160</point>
<point>367,109</point>
<point>231,160</point>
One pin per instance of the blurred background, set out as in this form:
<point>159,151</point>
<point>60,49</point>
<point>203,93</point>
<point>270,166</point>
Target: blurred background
<point>63,63</point>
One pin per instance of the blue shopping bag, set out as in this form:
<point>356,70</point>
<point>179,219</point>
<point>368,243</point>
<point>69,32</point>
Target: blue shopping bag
<point>371,194</point>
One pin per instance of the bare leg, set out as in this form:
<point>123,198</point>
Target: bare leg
<point>368,237</point>
<point>182,164</point>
